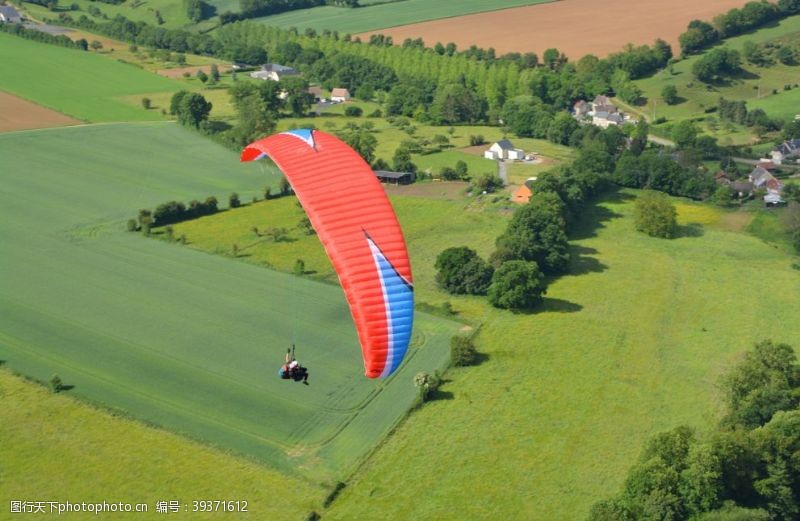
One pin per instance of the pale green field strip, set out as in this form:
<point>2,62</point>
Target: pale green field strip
<point>761,80</point>
<point>97,457</point>
<point>188,341</point>
<point>386,15</point>
<point>80,84</point>
<point>631,345</point>
<point>172,12</point>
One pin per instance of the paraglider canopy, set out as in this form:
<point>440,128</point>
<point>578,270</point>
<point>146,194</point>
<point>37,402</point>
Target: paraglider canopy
<point>361,235</point>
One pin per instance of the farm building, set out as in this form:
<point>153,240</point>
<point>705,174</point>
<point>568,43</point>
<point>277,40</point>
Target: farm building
<point>763,179</point>
<point>338,95</point>
<point>742,188</point>
<point>503,149</point>
<point>316,92</point>
<point>395,178</point>
<point>521,195</point>
<point>9,15</point>
<point>772,199</point>
<point>274,72</point>
<point>786,151</point>
<point>581,109</point>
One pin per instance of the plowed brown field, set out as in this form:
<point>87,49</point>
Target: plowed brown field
<point>575,27</point>
<point>19,114</point>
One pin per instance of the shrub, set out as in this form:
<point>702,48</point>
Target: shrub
<point>299,267</point>
<point>656,215</point>
<point>233,200</point>
<point>476,140</point>
<point>146,103</point>
<point>132,225</point>
<point>462,351</point>
<point>461,271</point>
<point>353,111</point>
<point>56,385</point>
<point>426,384</point>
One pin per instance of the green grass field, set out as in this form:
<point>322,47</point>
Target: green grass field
<point>631,344</point>
<point>384,15</point>
<point>755,85</point>
<point>46,436</point>
<point>172,12</point>
<point>80,84</point>
<point>185,340</point>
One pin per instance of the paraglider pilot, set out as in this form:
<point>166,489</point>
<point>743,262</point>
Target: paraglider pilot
<point>291,369</point>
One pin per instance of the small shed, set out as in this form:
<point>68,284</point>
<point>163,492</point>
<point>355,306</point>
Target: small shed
<point>316,92</point>
<point>521,195</point>
<point>395,178</point>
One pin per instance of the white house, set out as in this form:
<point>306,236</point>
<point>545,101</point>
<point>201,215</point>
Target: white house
<point>786,150</point>
<point>763,179</point>
<point>503,149</point>
<point>339,95</point>
<point>9,15</point>
<point>274,72</point>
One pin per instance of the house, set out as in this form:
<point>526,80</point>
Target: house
<point>521,195</point>
<point>742,188</point>
<point>763,179</point>
<point>722,178</point>
<point>396,178</point>
<point>605,119</point>
<point>580,109</point>
<point>316,92</point>
<point>786,150</point>
<point>339,95</point>
<point>772,199</point>
<point>9,15</point>
<point>274,72</point>
<point>503,149</point>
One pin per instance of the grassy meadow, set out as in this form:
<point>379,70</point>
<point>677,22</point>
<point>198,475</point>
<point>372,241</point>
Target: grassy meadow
<point>382,15</point>
<point>755,85</point>
<point>630,344</point>
<point>46,434</point>
<point>188,341</point>
<point>172,12</point>
<point>79,84</point>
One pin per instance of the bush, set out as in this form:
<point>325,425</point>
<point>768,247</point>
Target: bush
<point>353,111</point>
<point>462,351</point>
<point>670,94</point>
<point>426,384</point>
<point>476,140</point>
<point>656,215</point>
<point>487,183</point>
<point>56,385</point>
<point>233,200</point>
<point>461,271</point>
<point>132,225</point>
<point>299,267</point>
<point>146,103</point>
<point>517,285</point>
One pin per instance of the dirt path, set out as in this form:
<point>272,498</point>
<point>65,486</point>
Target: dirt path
<point>575,27</point>
<point>19,114</point>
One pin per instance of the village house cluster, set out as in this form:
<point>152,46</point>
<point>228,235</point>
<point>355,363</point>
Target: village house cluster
<point>278,72</point>
<point>600,112</point>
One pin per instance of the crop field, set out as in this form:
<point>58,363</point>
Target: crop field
<point>755,85</point>
<point>184,340</point>
<point>630,344</point>
<point>386,14</point>
<point>46,435</point>
<point>574,27</point>
<point>79,84</point>
<point>19,114</point>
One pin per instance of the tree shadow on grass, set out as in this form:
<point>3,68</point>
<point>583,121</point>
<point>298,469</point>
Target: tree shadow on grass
<point>581,264</point>
<point>689,230</point>
<point>593,217</point>
<point>551,305</point>
<point>65,387</point>
<point>439,394</point>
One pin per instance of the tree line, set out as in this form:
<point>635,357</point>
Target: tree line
<point>746,469</point>
<point>40,36</point>
<point>701,35</point>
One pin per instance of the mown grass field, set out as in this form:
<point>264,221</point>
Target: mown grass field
<point>46,435</point>
<point>755,85</point>
<point>172,12</point>
<point>188,341</point>
<point>383,15</point>
<point>79,84</point>
<point>630,344</point>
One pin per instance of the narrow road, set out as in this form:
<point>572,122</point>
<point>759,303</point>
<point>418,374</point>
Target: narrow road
<point>502,171</point>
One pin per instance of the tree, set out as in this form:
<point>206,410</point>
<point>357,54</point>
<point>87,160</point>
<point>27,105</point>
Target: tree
<point>193,109</point>
<point>517,285</point>
<point>56,384</point>
<point>460,270</point>
<point>96,45</point>
<point>146,103</point>
<point>656,215</point>
<point>426,384</point>
<point>202,76</point>
<point>461,170</point>
<point>763,383</point>
<point>299,267</point>
<point>723,196</point>
<point>486,183</point>
<point>214,72</point>
<point>456,103</point>
<point>670,94</point>
<point>284,187</point>
<point>363,142</point>
<point>462,351</point>
<point>684,134</point>
<point>401,161</point>
<point>233,201</point>
<point>353,111</point>
<point>537,232</point>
